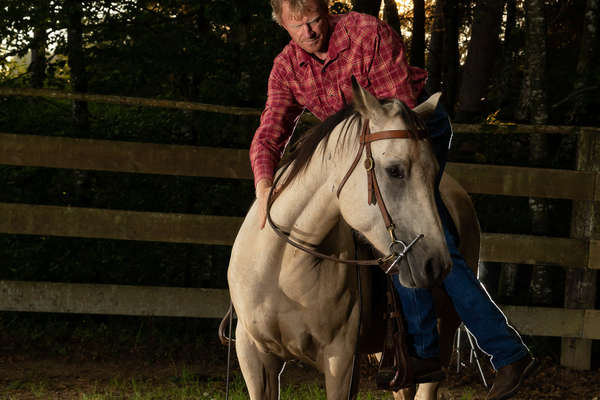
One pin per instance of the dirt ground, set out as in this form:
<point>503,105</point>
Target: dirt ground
<point>66,377</point>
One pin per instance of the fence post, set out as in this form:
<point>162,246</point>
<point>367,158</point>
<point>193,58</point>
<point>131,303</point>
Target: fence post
<point>580,283</point>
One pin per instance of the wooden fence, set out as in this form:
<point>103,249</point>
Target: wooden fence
<point>577,324</point>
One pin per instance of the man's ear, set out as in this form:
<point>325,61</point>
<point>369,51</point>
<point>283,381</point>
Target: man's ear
<point>427,108</point>
<point>364,102</point>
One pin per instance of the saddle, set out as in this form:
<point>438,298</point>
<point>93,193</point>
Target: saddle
<point>398,368</point>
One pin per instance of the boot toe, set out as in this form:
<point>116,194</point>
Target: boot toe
<point>509,378</point>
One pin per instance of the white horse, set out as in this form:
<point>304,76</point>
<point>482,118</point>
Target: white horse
<point>294,305</point>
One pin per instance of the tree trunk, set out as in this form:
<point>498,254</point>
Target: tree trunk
<point>508,55</point>
<point>511,20</point>
<point>586,51</point>
<point>79,110</point>
<point>481,57</point>
<point>436,49</point>
<point>74,10</point>
<point>533,94</point>
<point>417,47</point>
<point>450,59</point>
<point>541,280</point>
<point>371,7</point>
<point>390,15</point>
<point>37,67</point>
<point>507,285</point>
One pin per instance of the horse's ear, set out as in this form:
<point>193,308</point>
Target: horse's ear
<point>426,108</point>
<point>364,102</point>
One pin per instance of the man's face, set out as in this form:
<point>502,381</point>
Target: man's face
<point>309,29</point>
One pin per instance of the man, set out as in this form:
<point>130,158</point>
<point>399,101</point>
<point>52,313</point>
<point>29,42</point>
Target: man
<point>313,71</point>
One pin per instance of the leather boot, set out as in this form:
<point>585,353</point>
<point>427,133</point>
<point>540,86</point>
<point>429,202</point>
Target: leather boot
<point>509,378</point>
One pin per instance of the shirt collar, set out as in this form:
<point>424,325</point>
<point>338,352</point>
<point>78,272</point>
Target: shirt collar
<point>338,42</point>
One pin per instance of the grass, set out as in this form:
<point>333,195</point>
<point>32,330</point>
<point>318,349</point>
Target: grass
<point>184,386</point>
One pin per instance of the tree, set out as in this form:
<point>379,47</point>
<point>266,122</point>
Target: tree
<point>436,49</point>
<point>532,103</point>
<point>417,45</point>
<point>37,66</point>
<point>507,62</point>
<point>480,59</point>
<point>534,100</point>
<point>73,20</point>
<point>584,62</point>
<point>371,7</point>
<point>390,15</point>
<point>450,58</point>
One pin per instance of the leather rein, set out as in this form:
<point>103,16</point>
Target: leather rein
<point>374,197</point>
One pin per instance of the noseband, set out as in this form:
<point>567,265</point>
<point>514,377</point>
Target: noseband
<point>397,248</point>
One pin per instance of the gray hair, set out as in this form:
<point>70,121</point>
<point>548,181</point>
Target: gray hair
<point>297,6</point>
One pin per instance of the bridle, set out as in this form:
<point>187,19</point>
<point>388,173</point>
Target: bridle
<point>397,248</point>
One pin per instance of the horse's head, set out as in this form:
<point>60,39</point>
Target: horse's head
<point>405,171</point>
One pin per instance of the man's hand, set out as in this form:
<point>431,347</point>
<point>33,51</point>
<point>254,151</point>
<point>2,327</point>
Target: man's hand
<point>262,194</point>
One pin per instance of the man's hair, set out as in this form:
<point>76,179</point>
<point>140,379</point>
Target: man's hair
<point>296,6</point>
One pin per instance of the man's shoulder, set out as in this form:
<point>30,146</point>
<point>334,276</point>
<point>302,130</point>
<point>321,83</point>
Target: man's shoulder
<point>284,61</point>
<point>354,21</point>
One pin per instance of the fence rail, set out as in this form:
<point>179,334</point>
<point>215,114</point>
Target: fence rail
<point>212,303</point>
<point>148,158</point>
<point>128,101</point>
<point>27,219</point>
<point>80,298</point>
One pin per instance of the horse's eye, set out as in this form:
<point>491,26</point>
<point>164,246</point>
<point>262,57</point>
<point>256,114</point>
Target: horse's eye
<point>395,171</point>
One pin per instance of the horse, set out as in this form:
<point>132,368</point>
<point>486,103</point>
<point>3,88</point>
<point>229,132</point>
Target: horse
<point>294,304</point>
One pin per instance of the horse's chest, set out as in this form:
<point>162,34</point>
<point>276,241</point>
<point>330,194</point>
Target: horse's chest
<point>291,329</point>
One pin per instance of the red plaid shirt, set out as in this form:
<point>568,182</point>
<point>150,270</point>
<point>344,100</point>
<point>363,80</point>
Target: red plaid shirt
<point>359,45</point>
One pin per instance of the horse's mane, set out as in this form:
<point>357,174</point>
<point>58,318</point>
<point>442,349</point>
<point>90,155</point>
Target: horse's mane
<point>305,147</point>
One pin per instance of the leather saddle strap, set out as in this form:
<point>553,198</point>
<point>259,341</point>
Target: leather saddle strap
<point>395,369</point>
<point>404,372</point>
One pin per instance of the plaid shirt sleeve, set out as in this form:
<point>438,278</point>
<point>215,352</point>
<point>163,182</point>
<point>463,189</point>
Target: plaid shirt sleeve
<point>390,75</point>
<point>276,123</point>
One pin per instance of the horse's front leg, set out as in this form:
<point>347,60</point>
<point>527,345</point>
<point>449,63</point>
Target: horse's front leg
<point>406,393</point>
<point>260,370</point>
<point>426,391</point>
<point>341,369</point>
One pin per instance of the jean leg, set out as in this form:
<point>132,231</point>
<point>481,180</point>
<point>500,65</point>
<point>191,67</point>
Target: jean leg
<point>421,323</point>
<point>476,309</point>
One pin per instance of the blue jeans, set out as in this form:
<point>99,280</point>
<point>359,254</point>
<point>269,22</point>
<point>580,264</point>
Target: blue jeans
<point>473,304</point>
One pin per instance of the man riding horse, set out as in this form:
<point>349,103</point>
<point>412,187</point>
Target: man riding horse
<point>314,72</point>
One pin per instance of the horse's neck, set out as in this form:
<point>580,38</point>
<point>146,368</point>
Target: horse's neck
<point>309,210</point>
<point>308,206</point>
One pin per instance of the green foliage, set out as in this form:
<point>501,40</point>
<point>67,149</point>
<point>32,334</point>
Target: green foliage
<point>339,8</point>
<point>212,52</point>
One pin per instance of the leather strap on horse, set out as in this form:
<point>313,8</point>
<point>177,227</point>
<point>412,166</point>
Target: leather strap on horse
<point>374,195</point>
<point>286,236</point>
<point>395,370</point>
<point>366,138</point>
